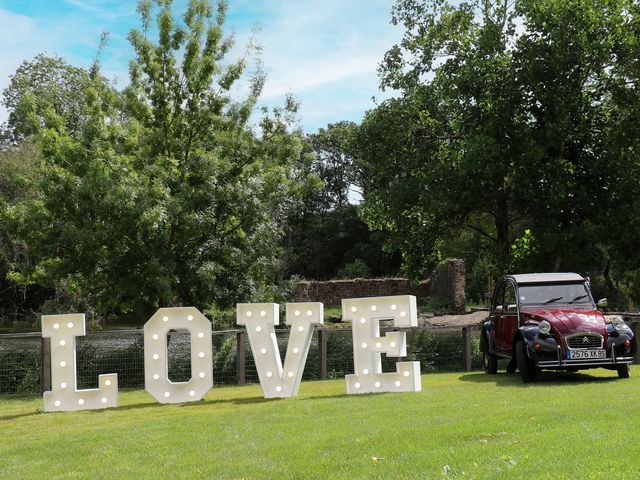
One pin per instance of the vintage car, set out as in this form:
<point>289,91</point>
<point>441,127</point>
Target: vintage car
<point>550,321</point>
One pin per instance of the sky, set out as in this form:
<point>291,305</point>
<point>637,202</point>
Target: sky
<point>325,52</point>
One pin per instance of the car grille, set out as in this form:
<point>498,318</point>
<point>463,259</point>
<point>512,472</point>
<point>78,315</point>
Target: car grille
<point>585,340</point>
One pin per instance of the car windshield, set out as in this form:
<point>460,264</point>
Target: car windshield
<point>555,294</point>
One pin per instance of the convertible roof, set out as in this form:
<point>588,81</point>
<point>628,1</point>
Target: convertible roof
<point>546,277</point>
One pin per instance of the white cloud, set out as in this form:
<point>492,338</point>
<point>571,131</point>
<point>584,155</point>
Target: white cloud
<point>103,9</point>
<point>13,34</point>
<point>310,73</point>
<point>71,36</point>
<point>311,45</point>
<point>316,49</point>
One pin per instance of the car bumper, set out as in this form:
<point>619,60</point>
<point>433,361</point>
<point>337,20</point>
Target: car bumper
<point>560,362</point>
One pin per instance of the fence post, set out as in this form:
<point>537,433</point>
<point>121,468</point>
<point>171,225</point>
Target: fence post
<point>466,342</point>
<point>45,365</point>
<point>322,353</point>
<point>635,326</point>
<point>241,358</point>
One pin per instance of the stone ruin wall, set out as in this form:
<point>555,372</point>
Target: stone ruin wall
<point>444,285</point>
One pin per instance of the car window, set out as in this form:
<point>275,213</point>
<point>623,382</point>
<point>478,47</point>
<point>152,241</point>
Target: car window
<point>499,297</point>
<point>510,298</point>
<point>555,294</point>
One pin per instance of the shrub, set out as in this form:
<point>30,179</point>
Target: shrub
<point>356,269</point>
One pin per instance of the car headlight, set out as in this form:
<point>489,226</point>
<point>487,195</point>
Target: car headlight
<point>544,327</point>
<point>618,324</point>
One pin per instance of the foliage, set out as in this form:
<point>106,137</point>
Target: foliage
<point>323,230</point>
<point>340,354</point>
<point>40,88</point>
<point>477,280</point>
<point>510,117</point>
<point>163,195</point>
<point>356,269</point>
<point>438,350</point>
<point>224,359</point>
<point>20,372</point>
<point>521,252</point>
<point>19,176</point>
<point>333,164</point>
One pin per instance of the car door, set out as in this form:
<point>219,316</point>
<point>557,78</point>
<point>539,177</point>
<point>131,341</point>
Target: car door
<point>498,314</point>
<point>509,322</point>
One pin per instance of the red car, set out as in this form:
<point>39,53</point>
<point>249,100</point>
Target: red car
<point>550,321</point>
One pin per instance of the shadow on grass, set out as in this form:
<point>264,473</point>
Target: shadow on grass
<point>232,401</point>
<point>337,395</point>
<point>198,403</point>
<point>544,378</point>
<point>20,415</point>
<point>138,406</point>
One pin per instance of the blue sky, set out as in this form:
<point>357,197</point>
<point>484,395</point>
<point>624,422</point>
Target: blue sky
<point>325,52</point>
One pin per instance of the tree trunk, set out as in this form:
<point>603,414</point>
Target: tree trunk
<point>611,288</point>
<point>502,231</point>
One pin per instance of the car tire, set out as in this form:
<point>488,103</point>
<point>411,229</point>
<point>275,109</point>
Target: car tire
<point>623,371</point>
<point>490,364</point>
<point>528,370</point>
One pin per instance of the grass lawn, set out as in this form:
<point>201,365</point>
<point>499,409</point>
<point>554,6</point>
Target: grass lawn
<point>463,425</point>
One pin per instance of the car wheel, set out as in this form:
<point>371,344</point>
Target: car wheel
<point>528,370</point>
<point>490,363</point>
<point>623,371</point>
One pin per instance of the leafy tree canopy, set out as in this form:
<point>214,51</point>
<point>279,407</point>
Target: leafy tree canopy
<point>40,88</point>
<point>511,116</point>
<point>161,194</point>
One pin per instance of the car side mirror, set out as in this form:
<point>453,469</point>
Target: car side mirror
<point>602,303</point>
<point>498,309</point>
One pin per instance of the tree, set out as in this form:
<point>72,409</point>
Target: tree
<point>165,196</point>
<point>502,125</point>
<point>19,175</point>
<point>323,230</point>
<point>333,164</point>
<point>39,85</point>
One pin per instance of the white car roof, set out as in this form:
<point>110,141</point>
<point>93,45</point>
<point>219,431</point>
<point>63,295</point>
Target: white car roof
<point>546,277</point>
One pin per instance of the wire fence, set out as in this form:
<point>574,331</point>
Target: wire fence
<point>22,356</point>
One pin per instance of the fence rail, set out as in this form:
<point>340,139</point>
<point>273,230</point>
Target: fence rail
<point>25,365</point>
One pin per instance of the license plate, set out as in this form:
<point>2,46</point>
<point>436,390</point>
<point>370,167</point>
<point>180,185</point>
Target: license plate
<point>580,354</point>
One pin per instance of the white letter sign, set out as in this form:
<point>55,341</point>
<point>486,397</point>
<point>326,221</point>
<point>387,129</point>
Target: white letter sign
<point>63,397</point>
<point>156,371</point>
<point>365,315</point>
<point>260,318</point>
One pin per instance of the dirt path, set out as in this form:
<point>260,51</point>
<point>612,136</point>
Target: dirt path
<point>473,318</point>
<point>463,320</point>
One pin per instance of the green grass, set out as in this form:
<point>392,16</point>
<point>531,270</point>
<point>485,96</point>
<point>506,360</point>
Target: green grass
<point>464,425</point>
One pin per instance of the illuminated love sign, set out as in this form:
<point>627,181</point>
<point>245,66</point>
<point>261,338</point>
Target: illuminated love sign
<point>63,397</point>
<point>365,315</point>
<point>156,357</point>
<point>276,379</point>
<point>260,318</point>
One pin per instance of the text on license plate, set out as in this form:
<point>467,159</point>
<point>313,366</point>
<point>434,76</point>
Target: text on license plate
<point>578,354</point>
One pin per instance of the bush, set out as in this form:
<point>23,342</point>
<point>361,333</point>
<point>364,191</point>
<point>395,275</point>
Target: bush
<point>19,372</point>
<point>356,269</point>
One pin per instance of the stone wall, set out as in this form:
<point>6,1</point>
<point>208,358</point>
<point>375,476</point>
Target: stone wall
<point>445,285</point>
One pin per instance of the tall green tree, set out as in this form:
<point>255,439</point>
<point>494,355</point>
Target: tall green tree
<point>39,86</point>
<point>167,196</point>
<point>333,163</point>
<point>324,232</point>
<point>19,176</point>
<point>503,124</point>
